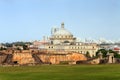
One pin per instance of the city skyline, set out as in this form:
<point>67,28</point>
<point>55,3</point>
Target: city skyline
<point>25,20</point>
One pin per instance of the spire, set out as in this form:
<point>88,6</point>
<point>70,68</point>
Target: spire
<point>62,25</point>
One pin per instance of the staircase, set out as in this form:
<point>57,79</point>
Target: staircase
<point>8,59</point>
<point>37,59</point>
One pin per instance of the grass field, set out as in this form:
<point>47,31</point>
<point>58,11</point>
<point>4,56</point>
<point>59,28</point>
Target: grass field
<point>61,72</point>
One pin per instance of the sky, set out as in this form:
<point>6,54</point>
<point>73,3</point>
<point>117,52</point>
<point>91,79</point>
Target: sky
<point>25,20</point>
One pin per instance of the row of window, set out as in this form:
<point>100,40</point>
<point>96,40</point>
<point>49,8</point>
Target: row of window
<point>78,43</point>
<point>63,36</point>
<point>51,47</point>
<point>84,52</point>
<point>92,47</point>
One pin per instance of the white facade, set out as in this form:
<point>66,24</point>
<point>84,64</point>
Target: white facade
<point>63,40</point>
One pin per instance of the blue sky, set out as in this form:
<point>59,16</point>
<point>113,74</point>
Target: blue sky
<point>24,20</point>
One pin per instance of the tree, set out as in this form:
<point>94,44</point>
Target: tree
<point>8,44</point>
<point>25,47</point>
<point>103,51</point>
<point>18,48</point>
<point>88,55</point>
<point>116,55</point>
<point>1,48</point>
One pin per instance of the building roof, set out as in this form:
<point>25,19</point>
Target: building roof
<point>62,31</point>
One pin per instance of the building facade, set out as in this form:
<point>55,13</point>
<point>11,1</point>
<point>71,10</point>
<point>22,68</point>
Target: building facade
<point>63,41</point>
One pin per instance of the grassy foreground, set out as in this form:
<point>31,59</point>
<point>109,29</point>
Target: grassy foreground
<point>61,72</point>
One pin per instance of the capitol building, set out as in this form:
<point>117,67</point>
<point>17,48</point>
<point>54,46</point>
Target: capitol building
<point>63,41</point>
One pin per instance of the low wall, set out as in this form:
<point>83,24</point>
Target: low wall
<point>57,58</point>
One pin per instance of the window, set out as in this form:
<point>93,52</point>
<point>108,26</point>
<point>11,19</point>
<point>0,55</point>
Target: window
<point>76,47</point>
<point>84,47</point>
<point>71,47</point>
<point>66,36</point>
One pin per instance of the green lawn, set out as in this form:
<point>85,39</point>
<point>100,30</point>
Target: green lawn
<point>61,72</point>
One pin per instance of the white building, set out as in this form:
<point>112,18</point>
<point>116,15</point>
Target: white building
<point>61,40</point>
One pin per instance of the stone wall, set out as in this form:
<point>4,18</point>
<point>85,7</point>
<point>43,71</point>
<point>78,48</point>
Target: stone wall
<point>2,58</point>
<point>94,61</point>
<point>57,58</point>
<point>24,57</point>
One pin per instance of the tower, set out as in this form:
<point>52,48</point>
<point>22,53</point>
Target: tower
<point>53,30</point>
<point>62,25</point>
<point>110,57</point>
<point>100,55</point>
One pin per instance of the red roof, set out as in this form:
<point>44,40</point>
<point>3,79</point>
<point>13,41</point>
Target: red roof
<point>117,49</point>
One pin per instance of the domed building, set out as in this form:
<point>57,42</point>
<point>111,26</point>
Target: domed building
<point>62,41</point>
<point>63,46</point>
<point>61,36</point>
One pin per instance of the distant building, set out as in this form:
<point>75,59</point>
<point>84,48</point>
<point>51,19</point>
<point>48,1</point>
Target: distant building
<point>114,47</point>
<point>2,46</point>
<point>61,40</point>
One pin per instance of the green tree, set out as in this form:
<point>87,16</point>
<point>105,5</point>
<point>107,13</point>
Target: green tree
<point>18,48</point>
<point>103,51</point>
<point>1,48</point>
<point>25,47</point>
<point>88,55</point>
<point>116,55</point>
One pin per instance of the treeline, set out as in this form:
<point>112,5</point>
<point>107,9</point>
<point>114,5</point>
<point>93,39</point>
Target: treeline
<point>7,45</point>
<point>104,53</point>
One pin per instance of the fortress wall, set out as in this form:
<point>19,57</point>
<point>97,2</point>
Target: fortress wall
<point>57,58</point>
<point>23,58</point>
<point>2,58</point>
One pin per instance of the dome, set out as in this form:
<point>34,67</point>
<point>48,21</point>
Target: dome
<point>62,31</point>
